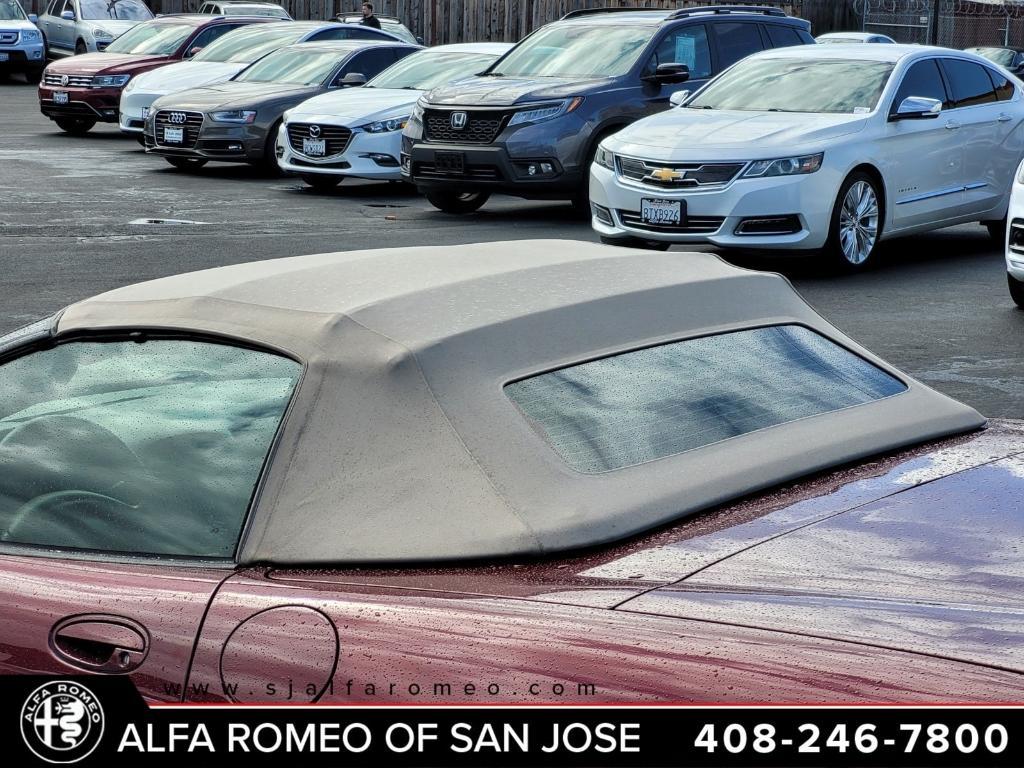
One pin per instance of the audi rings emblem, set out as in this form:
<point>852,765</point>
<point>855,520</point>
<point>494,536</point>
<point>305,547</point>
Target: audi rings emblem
<point>459,120</point>
<point>178,118</point>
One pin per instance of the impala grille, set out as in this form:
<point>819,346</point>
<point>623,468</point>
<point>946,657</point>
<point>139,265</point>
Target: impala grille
<point>73,81</point>
<point>678,175</point>
<point>475,126</point>
<point>336,138</point>
<point>694,225</point>
<point>191,122</point>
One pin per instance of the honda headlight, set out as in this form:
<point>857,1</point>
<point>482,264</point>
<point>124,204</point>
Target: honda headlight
<point>241,116</point>
<point>110,81</point>
<point>417,111</point>
<point>786,166</point>
<point>541,112</point>
<point>386,126</point>
<point>31,36</point>
<point>605,157</point>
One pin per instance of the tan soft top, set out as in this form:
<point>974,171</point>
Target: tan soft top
<point>401,444</point>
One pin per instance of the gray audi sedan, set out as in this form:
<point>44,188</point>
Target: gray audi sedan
<point>238,121</point>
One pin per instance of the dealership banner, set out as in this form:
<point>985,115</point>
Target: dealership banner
<point>104,721</point>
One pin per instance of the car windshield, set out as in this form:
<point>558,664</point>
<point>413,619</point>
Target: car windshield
<point>576,50</point>
<point>1002,56</point>
<point>300,67</point>
<point>154,39</point>
<point>152,447</point>
<point>797,85</point>
<point>244,46</point>
<point>10,10</point>
<point>428,69</point>
<point>124,10</point>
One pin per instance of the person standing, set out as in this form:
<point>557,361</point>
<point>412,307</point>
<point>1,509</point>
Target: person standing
<point>368,18</point>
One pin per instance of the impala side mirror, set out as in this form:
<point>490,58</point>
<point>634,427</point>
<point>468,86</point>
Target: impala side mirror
<point>917,108</point>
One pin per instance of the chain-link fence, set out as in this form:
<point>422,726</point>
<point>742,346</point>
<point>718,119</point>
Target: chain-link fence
<point>953,23</point>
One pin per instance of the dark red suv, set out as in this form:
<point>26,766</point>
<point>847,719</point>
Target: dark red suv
<point>80,91</point>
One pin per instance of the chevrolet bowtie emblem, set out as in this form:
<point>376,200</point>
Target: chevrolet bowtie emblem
<point>667,174</point>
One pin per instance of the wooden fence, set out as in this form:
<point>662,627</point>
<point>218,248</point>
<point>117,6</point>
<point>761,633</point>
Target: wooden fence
<point>455,21</point>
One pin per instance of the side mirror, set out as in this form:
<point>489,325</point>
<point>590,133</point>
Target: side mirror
<point>678,98</point>
<point>917,108</point>
<point>669,73</point>
<point>67,15</point>
<point>193,51</point>
<point>33,18</point>
<point>419,40</point>
<point>353,80</point>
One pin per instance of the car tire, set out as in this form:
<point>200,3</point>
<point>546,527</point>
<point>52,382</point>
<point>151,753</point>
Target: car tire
<point>457,202</point>
<point>80,48</point>
<point>186,163</point>
<point>856,225</point>
<point>269,162</point>
<point>636,242</point>
<point>320,181</point>
<point>33,76</point>
<point>996,230</point>
<point>1016,290</point>
<point>76,126</point>
<point>141,138</point>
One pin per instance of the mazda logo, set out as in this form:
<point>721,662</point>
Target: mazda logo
<point>314,131</point>
<point>178,118</point>
<point>64,79</point>
<point>459,120</point>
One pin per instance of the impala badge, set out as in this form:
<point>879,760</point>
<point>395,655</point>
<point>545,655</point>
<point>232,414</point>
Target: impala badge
<point>667,174</point>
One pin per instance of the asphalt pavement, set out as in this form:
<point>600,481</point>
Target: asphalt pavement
<point>77,217</point>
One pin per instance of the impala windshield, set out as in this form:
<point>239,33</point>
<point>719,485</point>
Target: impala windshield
<point>839,86</point>
<point>122,10</point>
<point>577,50</point>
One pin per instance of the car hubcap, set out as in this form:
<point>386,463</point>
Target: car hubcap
<point>858,222</point>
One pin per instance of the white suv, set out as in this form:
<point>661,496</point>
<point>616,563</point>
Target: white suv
<point>84,26</point>
<point>818,147</point>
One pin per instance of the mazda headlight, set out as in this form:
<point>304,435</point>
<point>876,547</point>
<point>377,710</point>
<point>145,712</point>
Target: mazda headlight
<point>605,157</point>
<point>110,81</point>
<point>241,116</point>
<point>386,126</point>
<point>31,36</point>
<point>542,112</point>
<point>786,166</point>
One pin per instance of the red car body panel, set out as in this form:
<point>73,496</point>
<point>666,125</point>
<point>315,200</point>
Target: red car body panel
<point>101,104</point>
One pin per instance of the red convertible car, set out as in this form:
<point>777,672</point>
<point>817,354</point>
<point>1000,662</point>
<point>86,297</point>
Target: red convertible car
<point>536,471</point>
<point>79,91</point>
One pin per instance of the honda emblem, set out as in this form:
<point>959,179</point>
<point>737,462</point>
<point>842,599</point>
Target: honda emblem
<point>459,120</point>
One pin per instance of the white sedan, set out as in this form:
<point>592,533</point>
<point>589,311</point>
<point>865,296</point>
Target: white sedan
<point>358,132</point>
<point>1015,240</point>
<point>818,147</point>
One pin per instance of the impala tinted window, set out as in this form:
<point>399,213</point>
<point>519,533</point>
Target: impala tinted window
<point>969,83</point>
<point>1002,84</point>
<point>644,405</point>
<point>151,448</point>
<point>922,79</point>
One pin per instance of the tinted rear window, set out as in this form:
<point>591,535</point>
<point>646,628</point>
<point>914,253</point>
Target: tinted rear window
<point>644,405</point>
<point>969,83</point>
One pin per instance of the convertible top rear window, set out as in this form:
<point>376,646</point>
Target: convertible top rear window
<point>639,406</point>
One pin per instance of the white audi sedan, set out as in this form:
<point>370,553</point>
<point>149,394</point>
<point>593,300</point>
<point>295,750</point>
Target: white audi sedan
<point>358,132</point>
<point>818,148</point>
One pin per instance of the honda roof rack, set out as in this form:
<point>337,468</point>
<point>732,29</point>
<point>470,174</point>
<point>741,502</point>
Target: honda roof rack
<point>766,10</point>
<point>610,9</point>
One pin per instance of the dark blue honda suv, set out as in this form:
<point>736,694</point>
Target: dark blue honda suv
<point>530,124</point>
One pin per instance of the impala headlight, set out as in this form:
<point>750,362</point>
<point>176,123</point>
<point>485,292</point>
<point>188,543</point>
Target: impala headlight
<point>605,157</point>
<point>110,81</point>
<point>386,126</point>
<point>241,116</point>
<point>542,112</point>
<point>786,166</point>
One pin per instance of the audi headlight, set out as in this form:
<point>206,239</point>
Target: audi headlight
<point>31,36</point>
<point>110,81</point>
<point>786,166</point>
<point>241,116</point>
<point>542,112</point>
<point>605,157</point>
<point>386,126</point>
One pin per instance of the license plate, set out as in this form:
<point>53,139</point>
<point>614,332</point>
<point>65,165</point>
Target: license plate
<point>314,147</point>
<point>145,112</point>
<point>654,211</point>
<point>5,56</point>
<point>174,135</point>
<point>449,162</point>
<point>60,97</point>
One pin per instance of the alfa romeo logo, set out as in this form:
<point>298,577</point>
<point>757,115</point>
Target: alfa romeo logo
<point>62,722</point>
<point>64,79</point>
<point>458,120</point>
<point>314,131</point>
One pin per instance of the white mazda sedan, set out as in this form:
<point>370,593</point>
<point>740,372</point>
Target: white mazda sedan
<point>814,148</point>
<point>358,131</point>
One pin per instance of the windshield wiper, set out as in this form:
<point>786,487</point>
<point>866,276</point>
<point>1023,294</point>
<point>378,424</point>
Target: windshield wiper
<point>699,106</point>
<point>493,74</point>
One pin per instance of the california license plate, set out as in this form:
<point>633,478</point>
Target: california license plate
<point>60,97</point>
<point>655,211</point>
<point>314,147</point>
<point>174,135</point>
<point>4,56</point>
<point>449,162</point>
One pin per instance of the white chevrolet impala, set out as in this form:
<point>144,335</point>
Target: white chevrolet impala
<point>818,148</point>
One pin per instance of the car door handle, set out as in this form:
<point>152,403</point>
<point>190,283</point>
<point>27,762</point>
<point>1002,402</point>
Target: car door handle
<point>952,125</point>
<point>1003,117</point>
<point>100,643</point>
